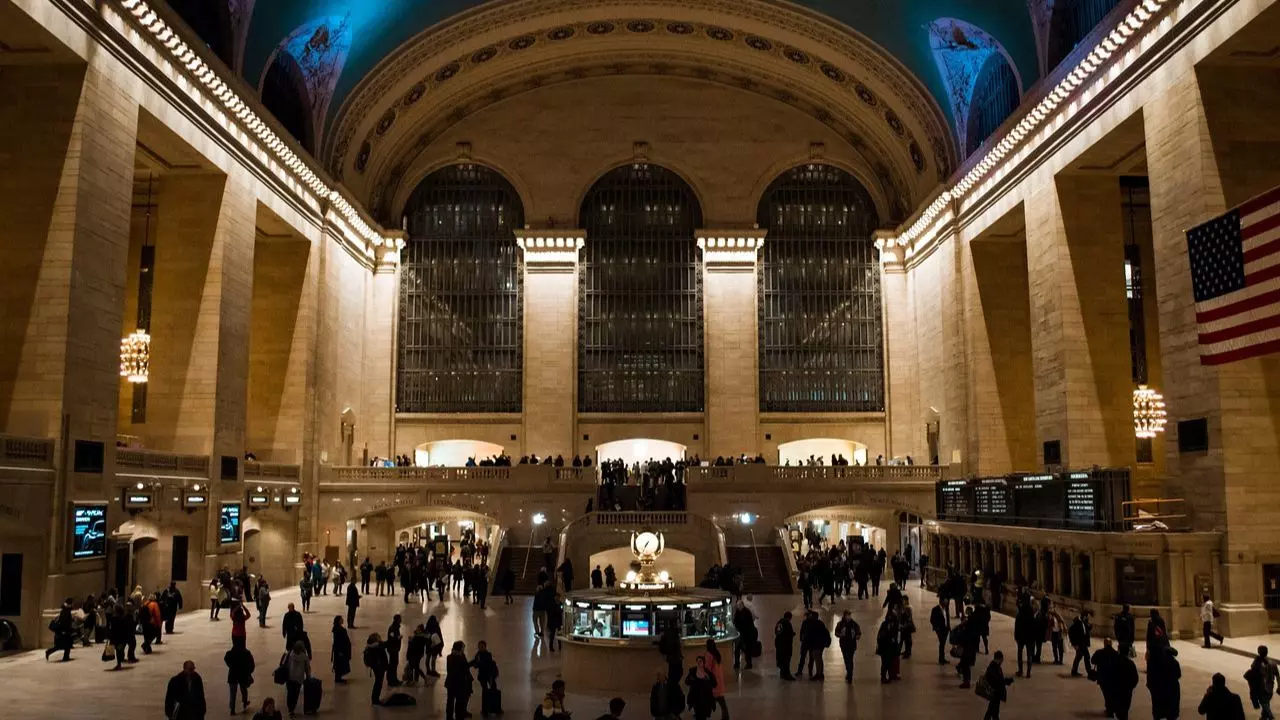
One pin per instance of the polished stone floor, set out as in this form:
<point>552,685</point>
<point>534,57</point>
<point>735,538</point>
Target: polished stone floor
<point>84,688</point>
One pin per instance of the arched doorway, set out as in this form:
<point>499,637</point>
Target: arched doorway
<point>798,452</point>
<point>454,453</point>
<point>639,450</point>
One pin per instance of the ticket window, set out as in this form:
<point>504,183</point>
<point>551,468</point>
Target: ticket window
<point>718,619</point>
<point>593,622</point>
<point>637,623</point>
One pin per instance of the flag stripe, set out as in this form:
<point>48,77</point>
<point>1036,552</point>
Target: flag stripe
<point>1268,198</point>
<point>1226,346</point>
<point>1242,353</point>
<point>1260,300</point>
<point>1261,239</point>
<point>1248,327</point>
<point>1255,228</point>
<point>1214,306</point>
<point>1266,273</point>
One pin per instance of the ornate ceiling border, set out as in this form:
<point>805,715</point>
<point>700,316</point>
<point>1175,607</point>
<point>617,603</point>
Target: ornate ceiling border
<point>844,44</point>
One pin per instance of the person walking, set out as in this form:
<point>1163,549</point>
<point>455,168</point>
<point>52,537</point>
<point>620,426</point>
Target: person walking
<point>848,633</point>
<point>997,685</point>
<point>597,578</point>
<point>457,682</point>
<point>1124,678</point>
<point>1262,677</point>
<point>184,697</point>
<point>353,602</point>
<point>297,666</point>
<point>1207,613</point>
<point>263,601</point>
<point>1105,672</point>
<point>291,627</point>
<point>744,621</point>
<point>701,689</point>
<point>784,636</point>
<point>170,604</point>
<point>1123,625</point>
<point>340,654</point>
<point>121,633</point>
<point>240,668</point>
<point>715,666</point>
<point>1218,702</point>
<point>239,623</point>
<point>968,643</point>
<point>941,628</point>
<point>1163,682</point>
<point>375,658</point>
<point>435,645</point>
<point>366,570</point>
<point>887,647</point>
<point>63,628</point>
<point>1079,635</point>
<point>486,668</point>
<point>808,649</point>
<point>907,626</point>
<point>414,652</point>
<point>304,588</point>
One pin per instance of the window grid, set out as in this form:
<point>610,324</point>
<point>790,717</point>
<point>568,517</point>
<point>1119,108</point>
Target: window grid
<point>461,283</point>
<point>821,346</point>
<point>640,295</point>
<point>1072,21</point>
<point>995,97</point>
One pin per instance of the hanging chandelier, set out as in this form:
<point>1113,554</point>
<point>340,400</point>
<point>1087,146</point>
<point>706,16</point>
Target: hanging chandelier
<point>1149,416</point>
<point>135,357</point>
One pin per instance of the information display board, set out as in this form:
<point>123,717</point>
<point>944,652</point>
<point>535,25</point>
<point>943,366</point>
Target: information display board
<point>953,499</point>
<point>229,532</point>
<point>991,498</point>
<point>1082,499</point>
<point>1038,499</point>
<point>88,531</point>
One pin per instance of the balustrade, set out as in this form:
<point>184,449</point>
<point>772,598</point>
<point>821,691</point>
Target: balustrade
<point>26,451</point>
<point>194,465</point>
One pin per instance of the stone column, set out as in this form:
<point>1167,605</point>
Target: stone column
<point>1207,152</point>
<point>379,355</point>
<point>1079,321</point>
<point>905,432</point>
<point>550,339</point>
<point>731,338</point>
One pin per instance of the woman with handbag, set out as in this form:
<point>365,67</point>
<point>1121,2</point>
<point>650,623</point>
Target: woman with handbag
<point>240,668</point>
<point>435,645</point>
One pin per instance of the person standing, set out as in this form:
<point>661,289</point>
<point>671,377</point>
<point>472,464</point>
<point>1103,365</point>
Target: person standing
<point>597,578</point>
<point>366,570</point>
<point>701,686</point>
<point>304,588</point>
<point>375,658</point>
<point>566,574</point>
<point>486,667</point>
<point>263,601</point>
<point>1219,703</point>
<point>968,641</point>
<point>848,633</point>
<point>240,668</point>
<point>1163,682</point>
<point>941,628</point>
<point>1207,613</point>
<point>783,639</point>
<point>744,621</point>
<point>1024,629</point>
<point>1262,677</point>
<point>170,604</point>
<point>291,627</point>
<point>716,668</point>
<point>184,697</point>
<point>1107,673</point>
<point>1079,636</point>
<point>997,685</point>
<point>239,623</point>
<point>341,651</point>
<point>887,647</point>
<point>353,602</point>
<point>907,626</point>
<point>1124,631</point>
<point>393,643</point>
<point>457,682</point>
<point>297,669</point>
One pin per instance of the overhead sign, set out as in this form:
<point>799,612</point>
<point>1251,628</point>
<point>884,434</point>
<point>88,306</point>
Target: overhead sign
<point>138,500</point>
<point>89,531</point>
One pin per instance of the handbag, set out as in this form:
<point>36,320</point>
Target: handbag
<point>956,652</point>
<point>108,653</point>
<point>281,674</point>
<point>983,688</point>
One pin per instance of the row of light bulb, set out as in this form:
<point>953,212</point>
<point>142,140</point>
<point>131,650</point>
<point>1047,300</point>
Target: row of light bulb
<point>187,58</point>
<point>1093,62</point>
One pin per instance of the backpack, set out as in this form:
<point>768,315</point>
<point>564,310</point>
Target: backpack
<point>371,654</point>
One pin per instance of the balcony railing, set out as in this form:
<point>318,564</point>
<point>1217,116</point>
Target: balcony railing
<point>169,463</point>
<point>30,452</point>
<point>640,519</point>
<point>254,470</point>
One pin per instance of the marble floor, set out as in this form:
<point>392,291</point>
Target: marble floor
<point>84,688</point>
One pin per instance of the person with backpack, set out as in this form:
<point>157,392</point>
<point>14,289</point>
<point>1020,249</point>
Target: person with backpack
<point>297,666</point>
<point>994,686</point>
<point>552,707</point>
<point>457,682</point>
<point>1262,678</point>
<point>64,633</point>
<point>240,668</point>
<point>340,654</point>
<point>375,658</point>
<point>848,632</point>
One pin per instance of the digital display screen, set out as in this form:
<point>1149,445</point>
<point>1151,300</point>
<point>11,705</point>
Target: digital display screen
<point>196,500</point>
<point>292,499</point>
<point>136,501</point>
<point>89,531</point>
<point>229,531</point>
<point>259,500</point>
<point>635,628</point>
<point>991,497</point>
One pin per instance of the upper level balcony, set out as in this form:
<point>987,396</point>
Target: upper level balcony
<point>26,458</point>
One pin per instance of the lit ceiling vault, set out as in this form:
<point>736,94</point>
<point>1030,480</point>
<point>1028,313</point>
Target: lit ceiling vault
<point>912,85</point>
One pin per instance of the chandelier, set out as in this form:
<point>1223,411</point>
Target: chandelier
<point>135,357</point>
<point>1149,416</point>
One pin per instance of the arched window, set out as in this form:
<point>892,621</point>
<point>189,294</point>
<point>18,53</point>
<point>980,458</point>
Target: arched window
<point>821,347</point>
<point>640,320</point>
<point>995,97</point>
<point>460,343</point>
<point>1072,21</point>
<point>211,22</point>
<point>284,92</point>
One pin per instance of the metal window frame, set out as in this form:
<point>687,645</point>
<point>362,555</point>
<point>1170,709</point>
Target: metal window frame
<point>460,329</point>
<point>821,330</point>
<point>995,97</point>
<point>640,315</point>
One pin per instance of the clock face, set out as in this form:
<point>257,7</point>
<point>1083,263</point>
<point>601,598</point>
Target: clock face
<point>647,543</point>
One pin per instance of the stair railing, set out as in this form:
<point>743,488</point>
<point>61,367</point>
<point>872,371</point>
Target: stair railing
<point>756,550</point>
<point>496,546</point>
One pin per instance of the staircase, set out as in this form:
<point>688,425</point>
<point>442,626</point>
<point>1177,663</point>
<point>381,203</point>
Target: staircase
<point>517,557</point>
<point>769,576</point>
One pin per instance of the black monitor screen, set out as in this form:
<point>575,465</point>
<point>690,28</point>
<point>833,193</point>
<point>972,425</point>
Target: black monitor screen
<point>89,531</point>
<point>230,530</point>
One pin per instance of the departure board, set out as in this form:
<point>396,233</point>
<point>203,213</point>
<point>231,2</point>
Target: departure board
<point>1082,499</point>
<point>991,498</point>
<point>952,502</point>
<point>1039,500</point>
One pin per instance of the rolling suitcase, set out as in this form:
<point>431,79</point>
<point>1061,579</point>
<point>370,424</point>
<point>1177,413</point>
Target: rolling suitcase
<point>490,701</point>
<point>312,692</point>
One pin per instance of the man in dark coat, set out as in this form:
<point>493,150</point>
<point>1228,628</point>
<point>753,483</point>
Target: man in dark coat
<point>784,636</point>
<point>457,683</point>
<point>848,632</point>
<point>941,628</point>
<point>184,698</point>
<point>170,603</point>
<point>240,666</point>
<point>291,627</point>
<point>1163,682</point>
<point>1079,635</point>
<point>1124,629</point>
<point>1219,703</point>
<point>1024,630</point>
<point>366,569</point>
<point>353,602</point>
<point>1106,672</point>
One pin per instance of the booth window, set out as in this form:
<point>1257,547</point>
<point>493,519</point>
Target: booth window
<point>821,334</point>
<point>460,345</point>
<point>640,294</point>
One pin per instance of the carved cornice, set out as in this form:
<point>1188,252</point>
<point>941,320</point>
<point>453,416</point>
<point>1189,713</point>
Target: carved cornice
<point>835,60</point>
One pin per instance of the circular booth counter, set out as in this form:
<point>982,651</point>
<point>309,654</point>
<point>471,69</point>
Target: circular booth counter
<point>611,636</point>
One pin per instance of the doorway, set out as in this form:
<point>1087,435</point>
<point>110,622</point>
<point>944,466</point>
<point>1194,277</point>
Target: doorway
<point>253,552</point>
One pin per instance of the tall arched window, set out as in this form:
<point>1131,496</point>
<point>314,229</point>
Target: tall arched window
<point>284,93</point>
<point>1072,21</point>
<point>460,342</point>
<point>995,97</point>
<point>640,320</point>
<point>821,347</point>
<point>211,22</point>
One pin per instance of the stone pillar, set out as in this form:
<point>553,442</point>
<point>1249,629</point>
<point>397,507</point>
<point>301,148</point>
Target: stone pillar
<point>550,339</point>
<point>1080,321</point>
<point>1208,152</point>
<point>1001,398</point>
<point>378,399</point>
<point>905,427</point>
<point>731,340</point>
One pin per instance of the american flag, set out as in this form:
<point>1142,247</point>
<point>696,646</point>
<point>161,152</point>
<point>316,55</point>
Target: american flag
<point>1235,273</point>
